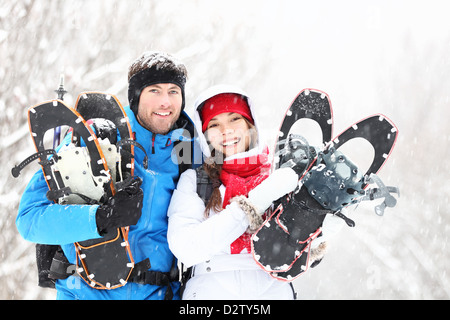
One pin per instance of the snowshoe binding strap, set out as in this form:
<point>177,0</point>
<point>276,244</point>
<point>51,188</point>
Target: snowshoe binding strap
<point>130,142</point>
<point>38,155</point>
<point>131,184</point>
<point>54,195</point>
<point>296,154</point>
<point>381,191</point>
<point>347,220</point>
<point>334,181</point>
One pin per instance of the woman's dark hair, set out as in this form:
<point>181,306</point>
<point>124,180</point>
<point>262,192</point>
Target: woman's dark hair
<point>213,169</point>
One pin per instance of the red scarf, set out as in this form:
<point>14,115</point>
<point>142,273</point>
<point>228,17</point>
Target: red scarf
<point>239,176</point>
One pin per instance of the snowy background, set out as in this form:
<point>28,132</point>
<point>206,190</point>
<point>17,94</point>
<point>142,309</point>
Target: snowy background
<point>383,56</point>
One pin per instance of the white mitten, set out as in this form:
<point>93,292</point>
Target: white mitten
<point>330,227</point>
<point>279,183</point>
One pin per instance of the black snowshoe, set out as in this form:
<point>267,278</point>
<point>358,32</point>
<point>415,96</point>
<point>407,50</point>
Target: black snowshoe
<point>329,181</point>
<point>87,171</point>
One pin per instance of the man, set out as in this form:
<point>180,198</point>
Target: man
<point>160,125</point>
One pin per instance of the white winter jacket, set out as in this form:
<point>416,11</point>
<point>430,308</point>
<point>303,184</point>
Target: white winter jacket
<point>204,243</point>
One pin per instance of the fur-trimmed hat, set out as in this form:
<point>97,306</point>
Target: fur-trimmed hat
<point>151,68</point>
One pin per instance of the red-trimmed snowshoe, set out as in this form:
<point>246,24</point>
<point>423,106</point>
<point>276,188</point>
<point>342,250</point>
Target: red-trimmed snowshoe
<point>335,183</point>
<point>273,242</point>
<point>282,245</point>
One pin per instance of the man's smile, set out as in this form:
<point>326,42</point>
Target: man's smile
<point>163,114</point>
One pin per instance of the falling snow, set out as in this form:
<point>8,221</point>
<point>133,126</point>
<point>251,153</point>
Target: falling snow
<point>379,57</point>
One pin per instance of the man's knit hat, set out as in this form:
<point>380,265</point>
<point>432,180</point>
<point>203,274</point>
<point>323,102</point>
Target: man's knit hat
<point>152,68</point>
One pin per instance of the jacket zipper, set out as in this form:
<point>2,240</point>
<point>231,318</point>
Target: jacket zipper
<point>168,142</point>
<point>153,142</point>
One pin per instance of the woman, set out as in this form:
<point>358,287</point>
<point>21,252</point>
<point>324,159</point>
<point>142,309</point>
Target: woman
<point>213,234</point>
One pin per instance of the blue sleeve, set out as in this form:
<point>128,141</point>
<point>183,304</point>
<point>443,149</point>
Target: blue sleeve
<point>42,221</point>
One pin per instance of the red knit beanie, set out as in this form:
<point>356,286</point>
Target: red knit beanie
<point>224,102</point>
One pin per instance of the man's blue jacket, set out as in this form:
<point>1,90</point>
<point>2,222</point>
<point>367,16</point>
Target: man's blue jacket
<point>45,222</point>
